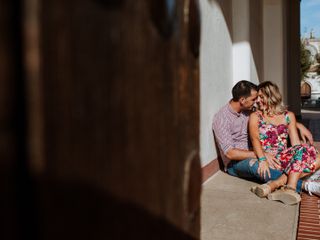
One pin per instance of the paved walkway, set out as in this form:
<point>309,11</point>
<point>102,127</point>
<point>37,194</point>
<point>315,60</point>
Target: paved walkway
<point>230,211</point>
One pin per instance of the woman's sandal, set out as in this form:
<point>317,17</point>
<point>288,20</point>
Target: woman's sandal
<point>286,194</point>
<point>261,190</point>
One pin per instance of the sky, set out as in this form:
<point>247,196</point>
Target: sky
<point>310,17</point>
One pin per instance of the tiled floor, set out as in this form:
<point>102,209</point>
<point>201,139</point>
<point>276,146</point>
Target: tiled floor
<point>309,218</point>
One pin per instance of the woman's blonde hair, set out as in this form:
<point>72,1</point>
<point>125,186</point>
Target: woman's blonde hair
<point>273,98</point>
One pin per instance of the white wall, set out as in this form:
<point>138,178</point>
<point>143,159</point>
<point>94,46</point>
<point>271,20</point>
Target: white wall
<point>273,43</point>
<point>241,36</point>
<point>215,70</point>
<point>231,50</point>
<point>247,42</point>
<point>241,39</point>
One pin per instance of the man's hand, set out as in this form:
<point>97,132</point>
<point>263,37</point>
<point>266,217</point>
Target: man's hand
<point>273,162</point>
<point>263,169</point>
<point>304,133</point>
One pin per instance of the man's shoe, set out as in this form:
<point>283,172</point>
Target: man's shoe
<point>313,187</point>
<point>314,177</point>
<point>286,195</point>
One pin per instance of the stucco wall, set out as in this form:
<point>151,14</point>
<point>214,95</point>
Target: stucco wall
<point>256,40</point>
<point>215,69</point>
<point>247,40</point>
<point>231,50</point>
<point>273,42</point>
<point>282,48</point>
<point>291,49</point>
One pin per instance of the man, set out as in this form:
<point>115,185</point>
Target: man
<point>230,127</point>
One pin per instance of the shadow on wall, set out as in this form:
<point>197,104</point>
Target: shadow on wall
<point>226,8</point>
<point>241,26</point>
<point>245,26</point>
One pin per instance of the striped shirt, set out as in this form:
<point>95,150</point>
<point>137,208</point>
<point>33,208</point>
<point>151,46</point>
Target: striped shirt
<point>230,130</point>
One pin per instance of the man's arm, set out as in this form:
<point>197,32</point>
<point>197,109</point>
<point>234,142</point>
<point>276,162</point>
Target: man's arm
<point>239,154</point>
<point>304,133</point>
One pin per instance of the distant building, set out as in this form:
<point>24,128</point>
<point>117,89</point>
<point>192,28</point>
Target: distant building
<point>313,78</point>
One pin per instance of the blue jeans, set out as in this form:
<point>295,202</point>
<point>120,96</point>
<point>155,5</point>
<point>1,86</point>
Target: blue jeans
<point>243,169</point>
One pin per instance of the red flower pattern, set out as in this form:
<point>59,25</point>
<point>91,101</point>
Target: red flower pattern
<point>274,139</point>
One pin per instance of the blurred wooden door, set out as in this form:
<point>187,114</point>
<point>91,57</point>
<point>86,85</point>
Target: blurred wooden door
<point>112,91</point>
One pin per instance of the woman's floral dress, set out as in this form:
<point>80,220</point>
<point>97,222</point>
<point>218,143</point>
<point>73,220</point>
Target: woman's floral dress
<point>274,139</point>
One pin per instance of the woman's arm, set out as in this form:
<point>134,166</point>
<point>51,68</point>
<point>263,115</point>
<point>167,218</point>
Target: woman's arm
<point>239,154</point>
<point>254,135</point>
<point>255,140</point>
<point>293,133</point>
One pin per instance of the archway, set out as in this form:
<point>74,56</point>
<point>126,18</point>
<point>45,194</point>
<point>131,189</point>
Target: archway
<point>305,90</point>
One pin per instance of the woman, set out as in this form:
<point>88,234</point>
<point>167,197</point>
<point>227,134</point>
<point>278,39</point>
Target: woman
<point>270,128</point>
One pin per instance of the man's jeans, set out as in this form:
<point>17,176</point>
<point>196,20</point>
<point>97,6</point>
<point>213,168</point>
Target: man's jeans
<point>249,170</point>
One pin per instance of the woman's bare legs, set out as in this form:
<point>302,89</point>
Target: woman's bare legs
<point>289,195</point>
<point>267,188</point>
<point>282,180</point>
<point>293,179</point>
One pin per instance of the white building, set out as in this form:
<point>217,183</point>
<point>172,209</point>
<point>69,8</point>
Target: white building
<point>312,44</point>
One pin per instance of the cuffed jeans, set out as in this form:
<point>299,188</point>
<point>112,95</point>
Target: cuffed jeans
<point>245,169</point>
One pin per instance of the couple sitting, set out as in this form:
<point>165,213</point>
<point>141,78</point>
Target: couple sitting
<point>284,170</point>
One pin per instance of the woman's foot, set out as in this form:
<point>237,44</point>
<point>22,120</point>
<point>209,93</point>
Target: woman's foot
<point>261,190</point>
<point>267,188</point>
<point>286,195</point>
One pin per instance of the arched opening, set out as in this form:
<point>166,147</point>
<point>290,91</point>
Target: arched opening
<point>305,90</point>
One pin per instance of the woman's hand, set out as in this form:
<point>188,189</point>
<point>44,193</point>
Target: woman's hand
<point>273,161</point>
<point>263,169</point>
